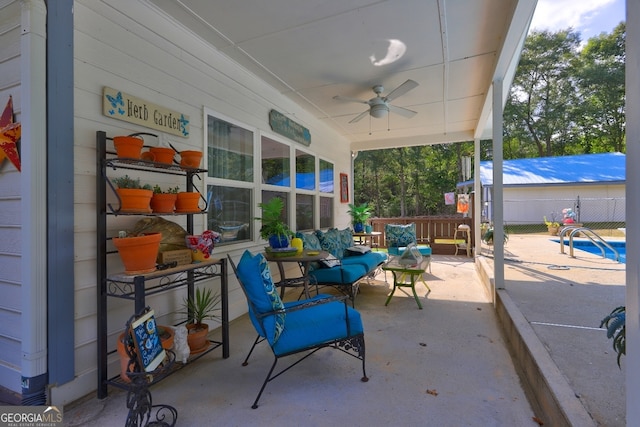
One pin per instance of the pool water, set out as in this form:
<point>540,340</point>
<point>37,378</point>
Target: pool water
<point>588,246</point>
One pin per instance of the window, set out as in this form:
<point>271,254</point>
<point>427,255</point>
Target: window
<point>326,176</point>
<point>304,212</point>
<point>230,186</point>
<point>276,164</point>
<point>326,212</point>
<point>305,171</point>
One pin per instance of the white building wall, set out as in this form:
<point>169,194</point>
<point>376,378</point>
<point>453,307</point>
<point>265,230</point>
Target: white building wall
<point>10,199</point>
<point>131,47</point>
<point>528,205</point>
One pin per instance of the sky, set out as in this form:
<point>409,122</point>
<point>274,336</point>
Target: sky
<point>589,17</point>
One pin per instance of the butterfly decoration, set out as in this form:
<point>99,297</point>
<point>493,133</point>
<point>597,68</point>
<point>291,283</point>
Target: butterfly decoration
<point>10,133</point>
<point>183,125</point>
<point>117,103</point>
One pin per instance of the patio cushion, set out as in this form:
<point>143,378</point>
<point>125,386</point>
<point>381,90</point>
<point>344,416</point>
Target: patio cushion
<point>255,275</point>
<point>335,241</point>
<point>310,241</point>
<point>400,234</point>
<point>316,325</point>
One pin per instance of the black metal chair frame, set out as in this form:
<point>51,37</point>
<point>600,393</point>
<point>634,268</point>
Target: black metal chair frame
<point>353,345</point>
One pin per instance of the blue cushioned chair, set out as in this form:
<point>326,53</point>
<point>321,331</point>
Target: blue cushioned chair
<point>399,236</point>
<point>300,326</point>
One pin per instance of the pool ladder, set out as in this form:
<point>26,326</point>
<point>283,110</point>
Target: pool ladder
<point>594,237</point>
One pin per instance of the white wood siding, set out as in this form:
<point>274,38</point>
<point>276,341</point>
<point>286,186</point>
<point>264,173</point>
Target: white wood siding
<point>131,47</point>
<point>10,198</point>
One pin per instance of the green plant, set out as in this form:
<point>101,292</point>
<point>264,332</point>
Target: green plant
<point>171,190</point>
<point>359,214</point>
<point>272,224</point>
<point>203,306</point>
<point>128,182</point>
<point>616,330</point>
<point>487,237</point>
<point>550,223</point>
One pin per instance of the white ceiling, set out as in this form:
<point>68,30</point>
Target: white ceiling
<point>313,50</point>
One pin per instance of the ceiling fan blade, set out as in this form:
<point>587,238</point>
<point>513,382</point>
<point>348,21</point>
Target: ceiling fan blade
<point>347,99</point>
<point>404,112</point>
<point>359,117</point>
<point>401,90</point>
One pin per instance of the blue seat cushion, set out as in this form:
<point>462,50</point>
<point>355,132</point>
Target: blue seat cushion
<point>254,273</point>
<point>322,323</point>
<point>341,274</point>
<point>369,260</point>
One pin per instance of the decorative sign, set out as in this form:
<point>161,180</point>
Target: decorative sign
<point>147,341</point>
<point>281,124</point>
<point>122,106</point>
<point>344,188</point>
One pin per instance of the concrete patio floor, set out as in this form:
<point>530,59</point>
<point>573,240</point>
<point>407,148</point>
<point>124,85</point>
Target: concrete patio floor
<point>445,365</point>
<point>457,362</point>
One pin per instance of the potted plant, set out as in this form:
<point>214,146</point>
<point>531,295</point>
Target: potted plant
<point>134,197</point>
<point>359,216</point>
<point>552,226</point>
<point>487,236</point>
<point>273,228</point>
<point>203,306</point>
<point>187,202</point>
<point>164,201</point>
<point>616,330</point>
<point>138,252</point>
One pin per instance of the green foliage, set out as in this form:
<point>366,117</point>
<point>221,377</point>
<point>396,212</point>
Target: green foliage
<point>616,330</point>
<point>204,306</point>
<point>131,183</point>
<point>272,223</point>
<point>359,214</point>
<point>171,190</point>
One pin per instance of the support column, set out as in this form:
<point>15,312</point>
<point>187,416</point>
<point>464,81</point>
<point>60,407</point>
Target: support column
<point>498,197</point>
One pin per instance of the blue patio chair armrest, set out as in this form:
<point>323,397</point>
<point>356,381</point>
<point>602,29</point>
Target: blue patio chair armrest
<point>304,305</point>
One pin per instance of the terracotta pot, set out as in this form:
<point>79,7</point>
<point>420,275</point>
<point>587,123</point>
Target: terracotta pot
<point>128,146</point>
<point>163,154</point>
<point>167,342</point>
<point>187,202</point>
<point>138,253</point>
<point>135,200</point>
<point>190,158</point>
<point>124,359</point>
<point>164,202</point>
<point>197,338</point>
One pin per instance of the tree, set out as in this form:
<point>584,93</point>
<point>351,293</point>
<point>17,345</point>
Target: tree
<point>542,97</point>
<point>601,80</point>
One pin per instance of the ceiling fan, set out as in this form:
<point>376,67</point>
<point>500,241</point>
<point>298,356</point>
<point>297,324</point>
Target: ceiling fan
<point>379,106</point>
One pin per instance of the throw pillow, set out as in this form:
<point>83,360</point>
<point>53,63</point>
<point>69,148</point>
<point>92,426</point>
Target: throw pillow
<point>310,241</point>
<point>331,242</point>
<point>401,234</point>
<point>254,273</point>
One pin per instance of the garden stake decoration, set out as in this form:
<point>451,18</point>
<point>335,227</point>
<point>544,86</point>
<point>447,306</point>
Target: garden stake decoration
<point>203,243</point>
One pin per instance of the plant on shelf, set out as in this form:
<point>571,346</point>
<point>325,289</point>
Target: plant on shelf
<point>164,201</point>
<point>131,183</point>
<point>616,330</point>
<point>273,228</point>
<point>134,197</point>
<point>203,306</point>
<point>359,216</point>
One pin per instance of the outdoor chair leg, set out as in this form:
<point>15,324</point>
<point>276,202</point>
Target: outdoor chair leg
<point>266,380</point>
<point>258,340</point>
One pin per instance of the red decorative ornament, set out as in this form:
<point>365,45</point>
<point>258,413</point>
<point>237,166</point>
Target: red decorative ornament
<point>204,242</point>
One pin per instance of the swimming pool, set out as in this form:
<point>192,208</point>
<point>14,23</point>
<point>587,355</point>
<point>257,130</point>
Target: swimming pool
<point>588,246</point>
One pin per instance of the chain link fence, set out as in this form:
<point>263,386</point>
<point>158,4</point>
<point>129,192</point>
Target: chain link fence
<point>606,216</point>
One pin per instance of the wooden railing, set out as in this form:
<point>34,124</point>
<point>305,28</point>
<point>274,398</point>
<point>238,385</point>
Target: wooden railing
<point>428,229</point>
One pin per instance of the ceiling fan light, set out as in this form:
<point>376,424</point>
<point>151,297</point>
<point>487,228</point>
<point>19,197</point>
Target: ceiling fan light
<point>379,111</point>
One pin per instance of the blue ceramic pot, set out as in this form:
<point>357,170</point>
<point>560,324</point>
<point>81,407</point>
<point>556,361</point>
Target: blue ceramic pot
<point>277,242</point>
<point>358,228</point>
